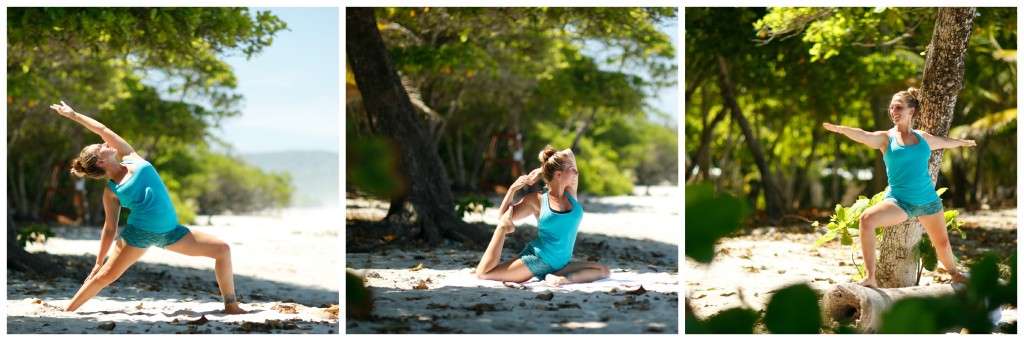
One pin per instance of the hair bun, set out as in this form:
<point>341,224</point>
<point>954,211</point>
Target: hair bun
<point>77,169</point>
<point>546,154</point>
<point>914,93</point>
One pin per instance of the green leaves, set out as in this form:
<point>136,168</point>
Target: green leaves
<point>929,259</point>
<point>969,310</point>
<point>954,225</point>
<point>732,321</point>
<point>34,233</point>
<point>709,217</point>
<point>472,203</point>
<point>96,59</point>
<point>793,310</point>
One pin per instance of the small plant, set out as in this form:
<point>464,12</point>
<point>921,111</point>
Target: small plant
<point>34,233</point>
<point>845,224</point>
<point>473,203</point>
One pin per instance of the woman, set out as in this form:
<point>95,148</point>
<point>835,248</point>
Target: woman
<point>135,184</point>
<point>911,192</point>
<point>558,218</point>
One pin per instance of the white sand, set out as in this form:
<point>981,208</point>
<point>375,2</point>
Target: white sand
<point>286,268</point>
<point>636,236</point>
<point>751,268</point>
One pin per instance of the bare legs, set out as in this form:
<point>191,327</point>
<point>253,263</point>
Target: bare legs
<point>578,272</point>
<point>513,270</point>
<point>197,243</point>
<point>935,226</point>
<point>883,214</point>
<point>886,214</point>
<point>123,256</point>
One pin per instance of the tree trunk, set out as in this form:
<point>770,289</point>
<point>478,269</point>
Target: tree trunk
<point>865,306</point>
<point>943,79</point>
<point>772,197</point>
<point>582,129</point>
<point>426,201</point>
<point>704,152</point>
<point>21,260</point>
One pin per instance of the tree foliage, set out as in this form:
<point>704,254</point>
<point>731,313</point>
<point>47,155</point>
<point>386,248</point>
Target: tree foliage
<point>795,68</point>
<point>154,75</point>
<point>475,71</point>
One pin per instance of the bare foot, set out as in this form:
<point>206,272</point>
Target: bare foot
<point>233,309</point>
<point>555,281</point>
<point>509,228</point>
<point>507,225</point>
<point>961,277</point>
<point>868,282</point>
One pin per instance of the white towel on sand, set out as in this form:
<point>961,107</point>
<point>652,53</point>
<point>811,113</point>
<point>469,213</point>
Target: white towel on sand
<point>620,280</point>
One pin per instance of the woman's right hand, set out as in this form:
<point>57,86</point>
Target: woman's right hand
<point>64,109</point>
<point>521,182</point>
<point>95,270</point>
<point>831,127</point>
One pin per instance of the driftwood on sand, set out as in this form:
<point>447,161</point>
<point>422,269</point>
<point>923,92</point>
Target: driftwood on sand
<point>865,306</point>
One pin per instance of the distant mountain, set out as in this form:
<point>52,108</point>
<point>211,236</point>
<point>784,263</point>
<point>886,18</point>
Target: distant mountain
<point>314,174</point>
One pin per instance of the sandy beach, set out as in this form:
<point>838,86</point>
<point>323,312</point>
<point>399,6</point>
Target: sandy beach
<point>637,236</point>
<point>287,274</point>
<point>751,267</point>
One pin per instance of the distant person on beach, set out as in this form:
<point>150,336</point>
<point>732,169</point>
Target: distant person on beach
<point>135,184</point>
<point>558,218</point>
<point>911,192</point>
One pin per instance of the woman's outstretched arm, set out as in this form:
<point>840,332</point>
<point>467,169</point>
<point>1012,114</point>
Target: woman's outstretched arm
<point>943,142</point>
<point>875,140</point>
<point>112,210</point>
<point>109,136</point>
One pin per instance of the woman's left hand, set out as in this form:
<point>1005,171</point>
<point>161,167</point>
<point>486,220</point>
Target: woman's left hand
<point>64,109</point>
<point>969,143</point>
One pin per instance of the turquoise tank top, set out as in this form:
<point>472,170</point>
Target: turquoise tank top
<point>907,171</point>
<point>556,235</point>
<point>145,194</point>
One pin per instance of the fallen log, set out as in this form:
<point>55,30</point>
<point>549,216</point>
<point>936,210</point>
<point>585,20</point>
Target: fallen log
<point>864,307</point>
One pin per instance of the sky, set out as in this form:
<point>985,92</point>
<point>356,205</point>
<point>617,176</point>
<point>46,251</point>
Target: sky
<point>666,100</point>
<point>292,89</point>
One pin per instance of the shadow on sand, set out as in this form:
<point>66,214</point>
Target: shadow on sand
<point>149,282</point>
<point>518,309</point>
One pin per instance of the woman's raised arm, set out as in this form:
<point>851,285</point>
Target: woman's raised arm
<point>109,136</point>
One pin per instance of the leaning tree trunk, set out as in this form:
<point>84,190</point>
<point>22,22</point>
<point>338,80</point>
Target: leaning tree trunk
<point>426,201</point>
<point>943,79</point>
<point>772,196</point>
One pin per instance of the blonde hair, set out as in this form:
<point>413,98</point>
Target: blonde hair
<point>912,96</point>
<point>85,165</point>
<point>551,161</point>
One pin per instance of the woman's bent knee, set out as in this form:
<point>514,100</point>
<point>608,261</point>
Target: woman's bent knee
<point>222,250</point>
<point>865,221</point>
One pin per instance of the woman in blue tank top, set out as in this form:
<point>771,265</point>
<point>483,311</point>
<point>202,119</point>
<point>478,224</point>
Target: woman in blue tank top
<point>135,184</point>
<point>911,192</point>
<point>558,219</point>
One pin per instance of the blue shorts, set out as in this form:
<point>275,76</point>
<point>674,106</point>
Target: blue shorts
<point>537,266</point>
<point>917,210</point>
<point>143,239</point>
